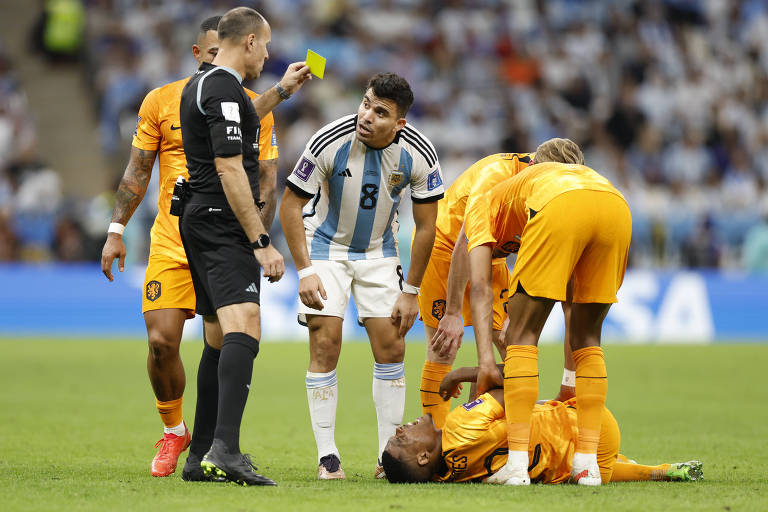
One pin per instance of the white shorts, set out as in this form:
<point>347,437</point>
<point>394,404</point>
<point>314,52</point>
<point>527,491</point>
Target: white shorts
<point>374,284</point>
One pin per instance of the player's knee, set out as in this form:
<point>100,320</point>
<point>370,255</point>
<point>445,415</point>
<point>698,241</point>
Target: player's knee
<point>162,345</point>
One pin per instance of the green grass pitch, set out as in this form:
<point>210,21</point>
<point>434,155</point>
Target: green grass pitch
<point>78,424</point>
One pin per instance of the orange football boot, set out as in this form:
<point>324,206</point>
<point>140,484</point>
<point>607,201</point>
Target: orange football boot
<point>167,456</point>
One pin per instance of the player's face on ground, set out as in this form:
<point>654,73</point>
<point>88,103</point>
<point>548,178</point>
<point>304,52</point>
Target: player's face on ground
<point>413,438</point>
<point>258,53</point>
<point>377,120</point>
<point>206,48</point>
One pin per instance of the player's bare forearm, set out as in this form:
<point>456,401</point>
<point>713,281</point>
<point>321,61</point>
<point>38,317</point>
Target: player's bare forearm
<point>133,185</point>
<point>237,189</point>
<point>293,227</point>
<point>458,275</point>
<point>268,190</point>
<point>481,299</point>
<point>424,216</point>
<point>266,102</point>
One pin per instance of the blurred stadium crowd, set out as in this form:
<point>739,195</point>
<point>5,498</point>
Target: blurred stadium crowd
<point>668,98</point>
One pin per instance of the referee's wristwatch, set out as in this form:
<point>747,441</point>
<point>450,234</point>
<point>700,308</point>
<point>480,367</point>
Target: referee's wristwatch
<point>262,242</point>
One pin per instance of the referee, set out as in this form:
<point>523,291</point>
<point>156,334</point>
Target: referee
<point>221,228</point>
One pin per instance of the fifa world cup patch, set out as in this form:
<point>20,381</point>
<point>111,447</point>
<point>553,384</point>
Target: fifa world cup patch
<point>304,170</point>
<point>438,308</point>
<point>153,290</point>
<point>434,180</point>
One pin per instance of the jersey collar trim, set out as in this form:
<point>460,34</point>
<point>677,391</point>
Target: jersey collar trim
<point>231,72</point>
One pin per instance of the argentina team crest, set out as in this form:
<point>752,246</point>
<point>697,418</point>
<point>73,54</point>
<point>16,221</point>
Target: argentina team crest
<point>153,290</point>
<point>438,308</point>
<point>396,179</point>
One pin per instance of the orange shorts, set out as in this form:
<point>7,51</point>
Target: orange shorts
<point>167,285</point>
<point>434,286</point>
<point>580,233</point>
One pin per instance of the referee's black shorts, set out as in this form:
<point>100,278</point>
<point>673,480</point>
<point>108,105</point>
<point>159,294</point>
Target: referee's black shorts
<point>221,261</point>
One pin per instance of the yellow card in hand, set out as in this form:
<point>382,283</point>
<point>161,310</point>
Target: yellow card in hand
<point>316,63</point>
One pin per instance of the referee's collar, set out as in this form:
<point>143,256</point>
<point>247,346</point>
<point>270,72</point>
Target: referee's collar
<point>207,66</point>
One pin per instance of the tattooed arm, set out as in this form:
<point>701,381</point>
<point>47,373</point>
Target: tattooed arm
<point>129,194</point>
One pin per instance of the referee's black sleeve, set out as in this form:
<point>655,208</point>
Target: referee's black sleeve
<point>221,99</point>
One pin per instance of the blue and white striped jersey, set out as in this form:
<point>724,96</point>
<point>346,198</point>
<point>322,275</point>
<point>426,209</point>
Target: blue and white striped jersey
<point>356,189</point>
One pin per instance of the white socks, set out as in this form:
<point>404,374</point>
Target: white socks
<point>323,396</point>
<point>178,430</point>
<point>389,399</point>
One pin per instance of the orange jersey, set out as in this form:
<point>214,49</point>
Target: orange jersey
<point>499,216</point>
<point>475,441</point>
<point>159,129</point>
<point>479,178</point>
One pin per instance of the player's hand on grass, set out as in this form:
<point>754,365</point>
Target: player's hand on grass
<point>447,338</point>
<point>405,312</point>
<point>450,386</point>
<point>271,262</point>
<point>311,290</point>
<point>566,393</point>
<point>295,76</point>
<point>488,377</point>
<point>113,248</point>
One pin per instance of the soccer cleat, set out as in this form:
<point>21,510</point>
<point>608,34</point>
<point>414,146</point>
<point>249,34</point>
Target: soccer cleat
<point>585,470</point>
<point>508,475</point>
<point>193,471</point>
<point>690,471</point>
<point>235,467</point>
<point>330,468</point>
<point>379,471</point>
<point>167,456</point>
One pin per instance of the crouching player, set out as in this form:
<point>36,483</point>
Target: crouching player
<point>473,444</point>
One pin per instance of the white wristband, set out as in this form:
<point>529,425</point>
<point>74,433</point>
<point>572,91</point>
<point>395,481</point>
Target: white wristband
<point>410,289</point>
<point>307,271</point>
<point>569,378</point>
<point>116,227</point>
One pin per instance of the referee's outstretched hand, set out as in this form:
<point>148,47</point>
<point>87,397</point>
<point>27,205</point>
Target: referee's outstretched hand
<point>311,290</point>
<point>271,262</point>
<point>295,76</point>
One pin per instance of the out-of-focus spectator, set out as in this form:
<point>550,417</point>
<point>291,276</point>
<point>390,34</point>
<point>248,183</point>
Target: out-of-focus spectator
<point>756,247</point>
<point>702,248</point>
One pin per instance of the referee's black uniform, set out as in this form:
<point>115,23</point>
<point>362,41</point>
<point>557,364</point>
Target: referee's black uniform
<point>218,120</point>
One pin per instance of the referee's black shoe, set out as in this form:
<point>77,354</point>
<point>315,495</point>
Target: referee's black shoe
<point>235,467</point>
<point>193,471</point>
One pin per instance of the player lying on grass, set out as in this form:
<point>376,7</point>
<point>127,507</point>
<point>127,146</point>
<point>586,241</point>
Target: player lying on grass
<point>472,445</point>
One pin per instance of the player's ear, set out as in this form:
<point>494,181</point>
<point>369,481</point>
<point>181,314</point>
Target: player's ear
<point>196,52</point>
<point>422,458</point>
<point>400,124</point>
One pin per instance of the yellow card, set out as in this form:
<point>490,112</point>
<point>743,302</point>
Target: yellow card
<point>316,63</point>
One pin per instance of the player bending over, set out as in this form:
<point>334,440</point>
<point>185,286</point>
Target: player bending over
<point>473,444</point>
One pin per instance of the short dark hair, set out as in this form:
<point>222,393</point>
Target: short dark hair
<point>397,472</point>
<point>392,87</point>
<point>239,22</point>
<point>211,23</point>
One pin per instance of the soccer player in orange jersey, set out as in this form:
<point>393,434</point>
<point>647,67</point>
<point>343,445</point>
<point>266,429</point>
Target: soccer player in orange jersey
<point>169,297</point>
<point>473,444</point>
<point>573,229</point>
<point>444,296</point>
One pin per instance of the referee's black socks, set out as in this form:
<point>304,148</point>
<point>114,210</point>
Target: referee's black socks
<point>207,401</point>
<point>235,370</point>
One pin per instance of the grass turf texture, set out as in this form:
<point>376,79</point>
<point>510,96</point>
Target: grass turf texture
<point>78,424</point>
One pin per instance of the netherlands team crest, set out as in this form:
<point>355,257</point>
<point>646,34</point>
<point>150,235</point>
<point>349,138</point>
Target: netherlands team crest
<point>153,290</point>
<point>438,308</point>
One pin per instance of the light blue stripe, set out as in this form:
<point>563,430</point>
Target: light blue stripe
<point>321,241</point>
<point>388,371</point>
<point>361,238</point>
<point>389,248</point>
<point>200,90</point>
<point>321,382</point>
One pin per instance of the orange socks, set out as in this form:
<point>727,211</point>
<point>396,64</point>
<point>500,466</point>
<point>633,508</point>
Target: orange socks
<point>170,412</point>
<point>521,388</point>
<point>627,472</point>
<point>431,376</point>
<point>591,390</point>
